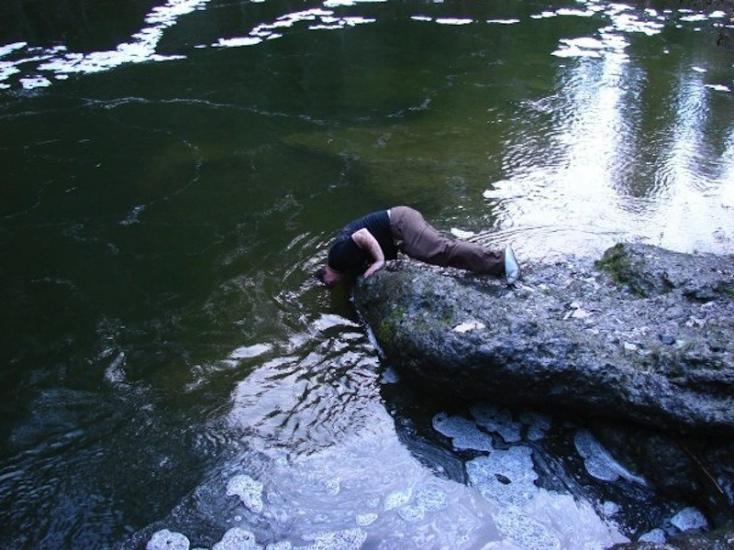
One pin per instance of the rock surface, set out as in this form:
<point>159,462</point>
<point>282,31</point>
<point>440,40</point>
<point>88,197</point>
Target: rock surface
<point>643,334</point>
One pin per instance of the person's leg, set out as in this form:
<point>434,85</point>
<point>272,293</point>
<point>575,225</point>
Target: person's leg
<point>419,240</point>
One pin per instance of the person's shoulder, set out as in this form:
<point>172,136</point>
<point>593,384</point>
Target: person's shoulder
<point>345,255</point>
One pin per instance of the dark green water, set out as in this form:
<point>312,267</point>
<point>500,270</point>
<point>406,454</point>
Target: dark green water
<point>172,173</point>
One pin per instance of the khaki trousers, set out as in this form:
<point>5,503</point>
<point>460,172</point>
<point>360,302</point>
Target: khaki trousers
<point>418,239</point>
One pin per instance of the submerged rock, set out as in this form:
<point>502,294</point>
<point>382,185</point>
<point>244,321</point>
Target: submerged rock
<point>644,334</point>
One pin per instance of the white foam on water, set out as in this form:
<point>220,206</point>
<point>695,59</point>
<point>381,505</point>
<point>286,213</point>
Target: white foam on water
<point>503,21</point>
<point>341,3</point>
<point>134,216</point>
<point>364,520</point>
<point>425,500</point>
<point>503,189</point>
<point>506,477</point>
<point>140,49</point>
<point>531,517</point>
<point>237,538</point>
<point>656,536</point>
<point>167,540</point>
<point>396,499</point>
<point>461,234</point>
<point>694,18</point>
<point>497,421</point>
<point>689,518</point>
<point>468,326</point>
<point>453,21</point>
<point>385,491</point>
<point>525,531</point>
<point>318,19</point>
<point>628,22</point>
<point>573,50</point>
<point>348,539</point>
<point>584,42</point>
<point>35,82</point>
<point>537,424</point>
<point>573,12</point>
<point>698,69</point>
<point>354,21</point>
<point>237,42</point>
<point>544,15</point>
<point>597,460</point>
<point>333,486</point>
<point>8,48</point>
<point>328,320</point>
<point>247,352</point>
<point>390,376</point>
<point>464,433</point>
<point>115,374</point>
<point>249,490</point>
<point>610,508</point>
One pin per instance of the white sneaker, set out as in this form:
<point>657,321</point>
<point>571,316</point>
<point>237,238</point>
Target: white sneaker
<point>512,268</point>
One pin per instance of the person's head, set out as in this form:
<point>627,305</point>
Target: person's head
<point>329,276</point>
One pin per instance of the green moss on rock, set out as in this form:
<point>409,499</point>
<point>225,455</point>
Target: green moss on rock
<point>616,262</point>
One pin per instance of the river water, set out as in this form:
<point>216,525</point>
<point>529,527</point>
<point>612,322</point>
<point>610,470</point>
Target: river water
<point>172,174</point>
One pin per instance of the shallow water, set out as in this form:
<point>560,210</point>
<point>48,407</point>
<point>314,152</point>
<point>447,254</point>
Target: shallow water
<point>173,172</point>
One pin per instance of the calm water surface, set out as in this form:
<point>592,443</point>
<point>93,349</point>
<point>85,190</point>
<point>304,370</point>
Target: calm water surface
<point>173,172</point>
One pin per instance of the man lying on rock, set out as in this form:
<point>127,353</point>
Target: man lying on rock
<point>362,247</point>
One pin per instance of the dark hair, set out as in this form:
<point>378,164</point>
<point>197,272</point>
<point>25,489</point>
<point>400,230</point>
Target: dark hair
<point>320,274</point>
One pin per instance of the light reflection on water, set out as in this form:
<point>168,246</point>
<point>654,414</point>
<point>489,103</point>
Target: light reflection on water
<point>220,357</point>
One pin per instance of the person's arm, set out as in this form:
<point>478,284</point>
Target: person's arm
<point>367,241</point>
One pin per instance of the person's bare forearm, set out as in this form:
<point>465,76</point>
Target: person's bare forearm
<point>367,241</point>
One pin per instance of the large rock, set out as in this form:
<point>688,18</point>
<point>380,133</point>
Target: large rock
<point>644,334</point>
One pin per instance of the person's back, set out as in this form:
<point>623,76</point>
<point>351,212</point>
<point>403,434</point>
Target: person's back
<point>347,257</point>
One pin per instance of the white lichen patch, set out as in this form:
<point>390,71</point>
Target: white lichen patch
<point>467,326</point>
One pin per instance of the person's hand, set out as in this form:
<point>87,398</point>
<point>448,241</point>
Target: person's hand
<point>374,268</point>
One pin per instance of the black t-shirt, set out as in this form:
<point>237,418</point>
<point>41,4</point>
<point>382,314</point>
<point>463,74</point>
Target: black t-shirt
<point>347,257</point>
